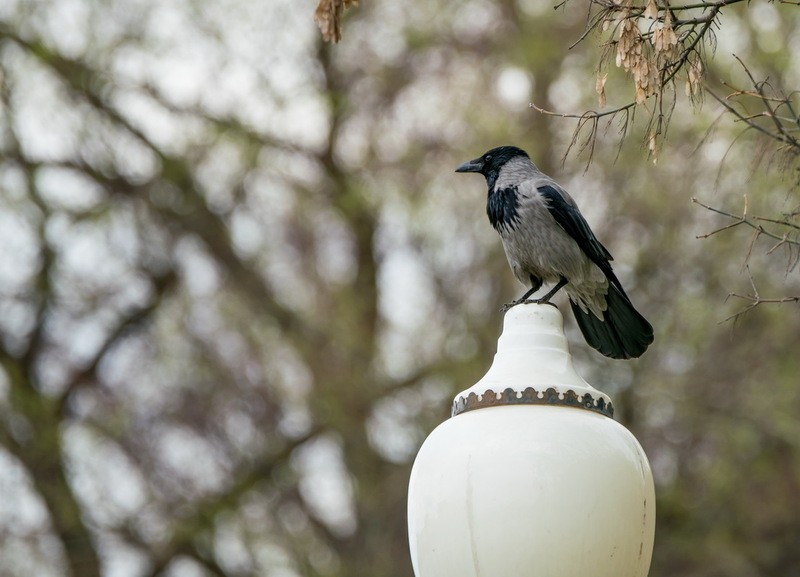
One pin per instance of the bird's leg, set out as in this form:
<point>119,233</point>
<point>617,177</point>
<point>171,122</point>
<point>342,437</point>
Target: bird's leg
<point>536,284</point>
<point>546,298</point>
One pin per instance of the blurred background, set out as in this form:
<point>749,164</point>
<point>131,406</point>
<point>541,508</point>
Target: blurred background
<point>240,282</point>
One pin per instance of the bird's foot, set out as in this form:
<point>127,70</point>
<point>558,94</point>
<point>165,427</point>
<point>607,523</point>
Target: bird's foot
<point>540,301</point>
<point>508,306</point>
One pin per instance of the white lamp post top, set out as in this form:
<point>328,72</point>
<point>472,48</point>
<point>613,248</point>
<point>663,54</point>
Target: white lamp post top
<point>532,366</point>
<point>529,488</point>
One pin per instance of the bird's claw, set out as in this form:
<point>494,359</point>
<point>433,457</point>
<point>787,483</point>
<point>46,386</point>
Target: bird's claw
<point>508,306</point>
<point>538,302</point>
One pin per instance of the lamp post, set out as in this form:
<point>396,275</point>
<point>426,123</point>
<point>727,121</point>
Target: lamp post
<point>531,477</point>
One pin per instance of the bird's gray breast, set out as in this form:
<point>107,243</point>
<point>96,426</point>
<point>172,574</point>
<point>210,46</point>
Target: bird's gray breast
<point>534,243</point>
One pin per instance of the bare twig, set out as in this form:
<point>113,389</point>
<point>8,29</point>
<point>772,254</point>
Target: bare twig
<point>782,222</point>
<point>776,126</point>
<point>744,219</point>
<point>755,299</point>
<point>591,118</point>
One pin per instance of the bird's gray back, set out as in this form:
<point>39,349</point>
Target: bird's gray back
<point>535,244</point>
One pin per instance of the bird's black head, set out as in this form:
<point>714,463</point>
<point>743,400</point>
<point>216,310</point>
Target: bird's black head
<point>490,163</point>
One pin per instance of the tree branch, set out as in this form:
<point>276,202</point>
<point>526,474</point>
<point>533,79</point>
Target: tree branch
<point>754,300</point>
<point>743,219</point>
<point>162,284</point>
<point>200,221</point>
<point>188,530</point>
<point>654,43</point>
<point>41,453</point>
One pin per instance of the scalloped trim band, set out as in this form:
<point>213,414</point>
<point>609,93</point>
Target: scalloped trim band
<point>531,396</point>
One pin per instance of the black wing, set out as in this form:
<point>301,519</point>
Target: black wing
<point>622,333</point>
<point>571,220</point>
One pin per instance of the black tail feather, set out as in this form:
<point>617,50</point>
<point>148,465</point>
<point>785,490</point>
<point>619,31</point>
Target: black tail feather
<point>623,333</point>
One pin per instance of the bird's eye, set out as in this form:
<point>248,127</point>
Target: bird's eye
<point>488,157</point>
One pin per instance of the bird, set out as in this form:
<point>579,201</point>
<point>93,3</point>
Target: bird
<point>547,240</point>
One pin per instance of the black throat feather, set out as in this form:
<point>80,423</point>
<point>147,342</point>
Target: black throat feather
<point>502,207</point>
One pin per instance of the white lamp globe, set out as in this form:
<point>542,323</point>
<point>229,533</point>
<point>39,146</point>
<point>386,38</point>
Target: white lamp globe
<point>531,477</point>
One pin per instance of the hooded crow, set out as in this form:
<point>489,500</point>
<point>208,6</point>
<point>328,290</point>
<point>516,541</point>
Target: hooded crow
<point>546,239</point>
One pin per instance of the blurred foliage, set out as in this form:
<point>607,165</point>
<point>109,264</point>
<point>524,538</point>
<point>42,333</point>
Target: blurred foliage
<point>663,49</point>
<point>240,282</point>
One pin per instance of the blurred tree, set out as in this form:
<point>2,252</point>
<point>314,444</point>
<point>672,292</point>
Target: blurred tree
<point>238,285</point>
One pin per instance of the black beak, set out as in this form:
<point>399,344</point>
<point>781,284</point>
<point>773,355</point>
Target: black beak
<point>471,166</point>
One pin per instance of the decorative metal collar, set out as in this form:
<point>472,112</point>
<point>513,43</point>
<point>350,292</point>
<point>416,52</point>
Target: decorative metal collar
<point>531,396</point>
